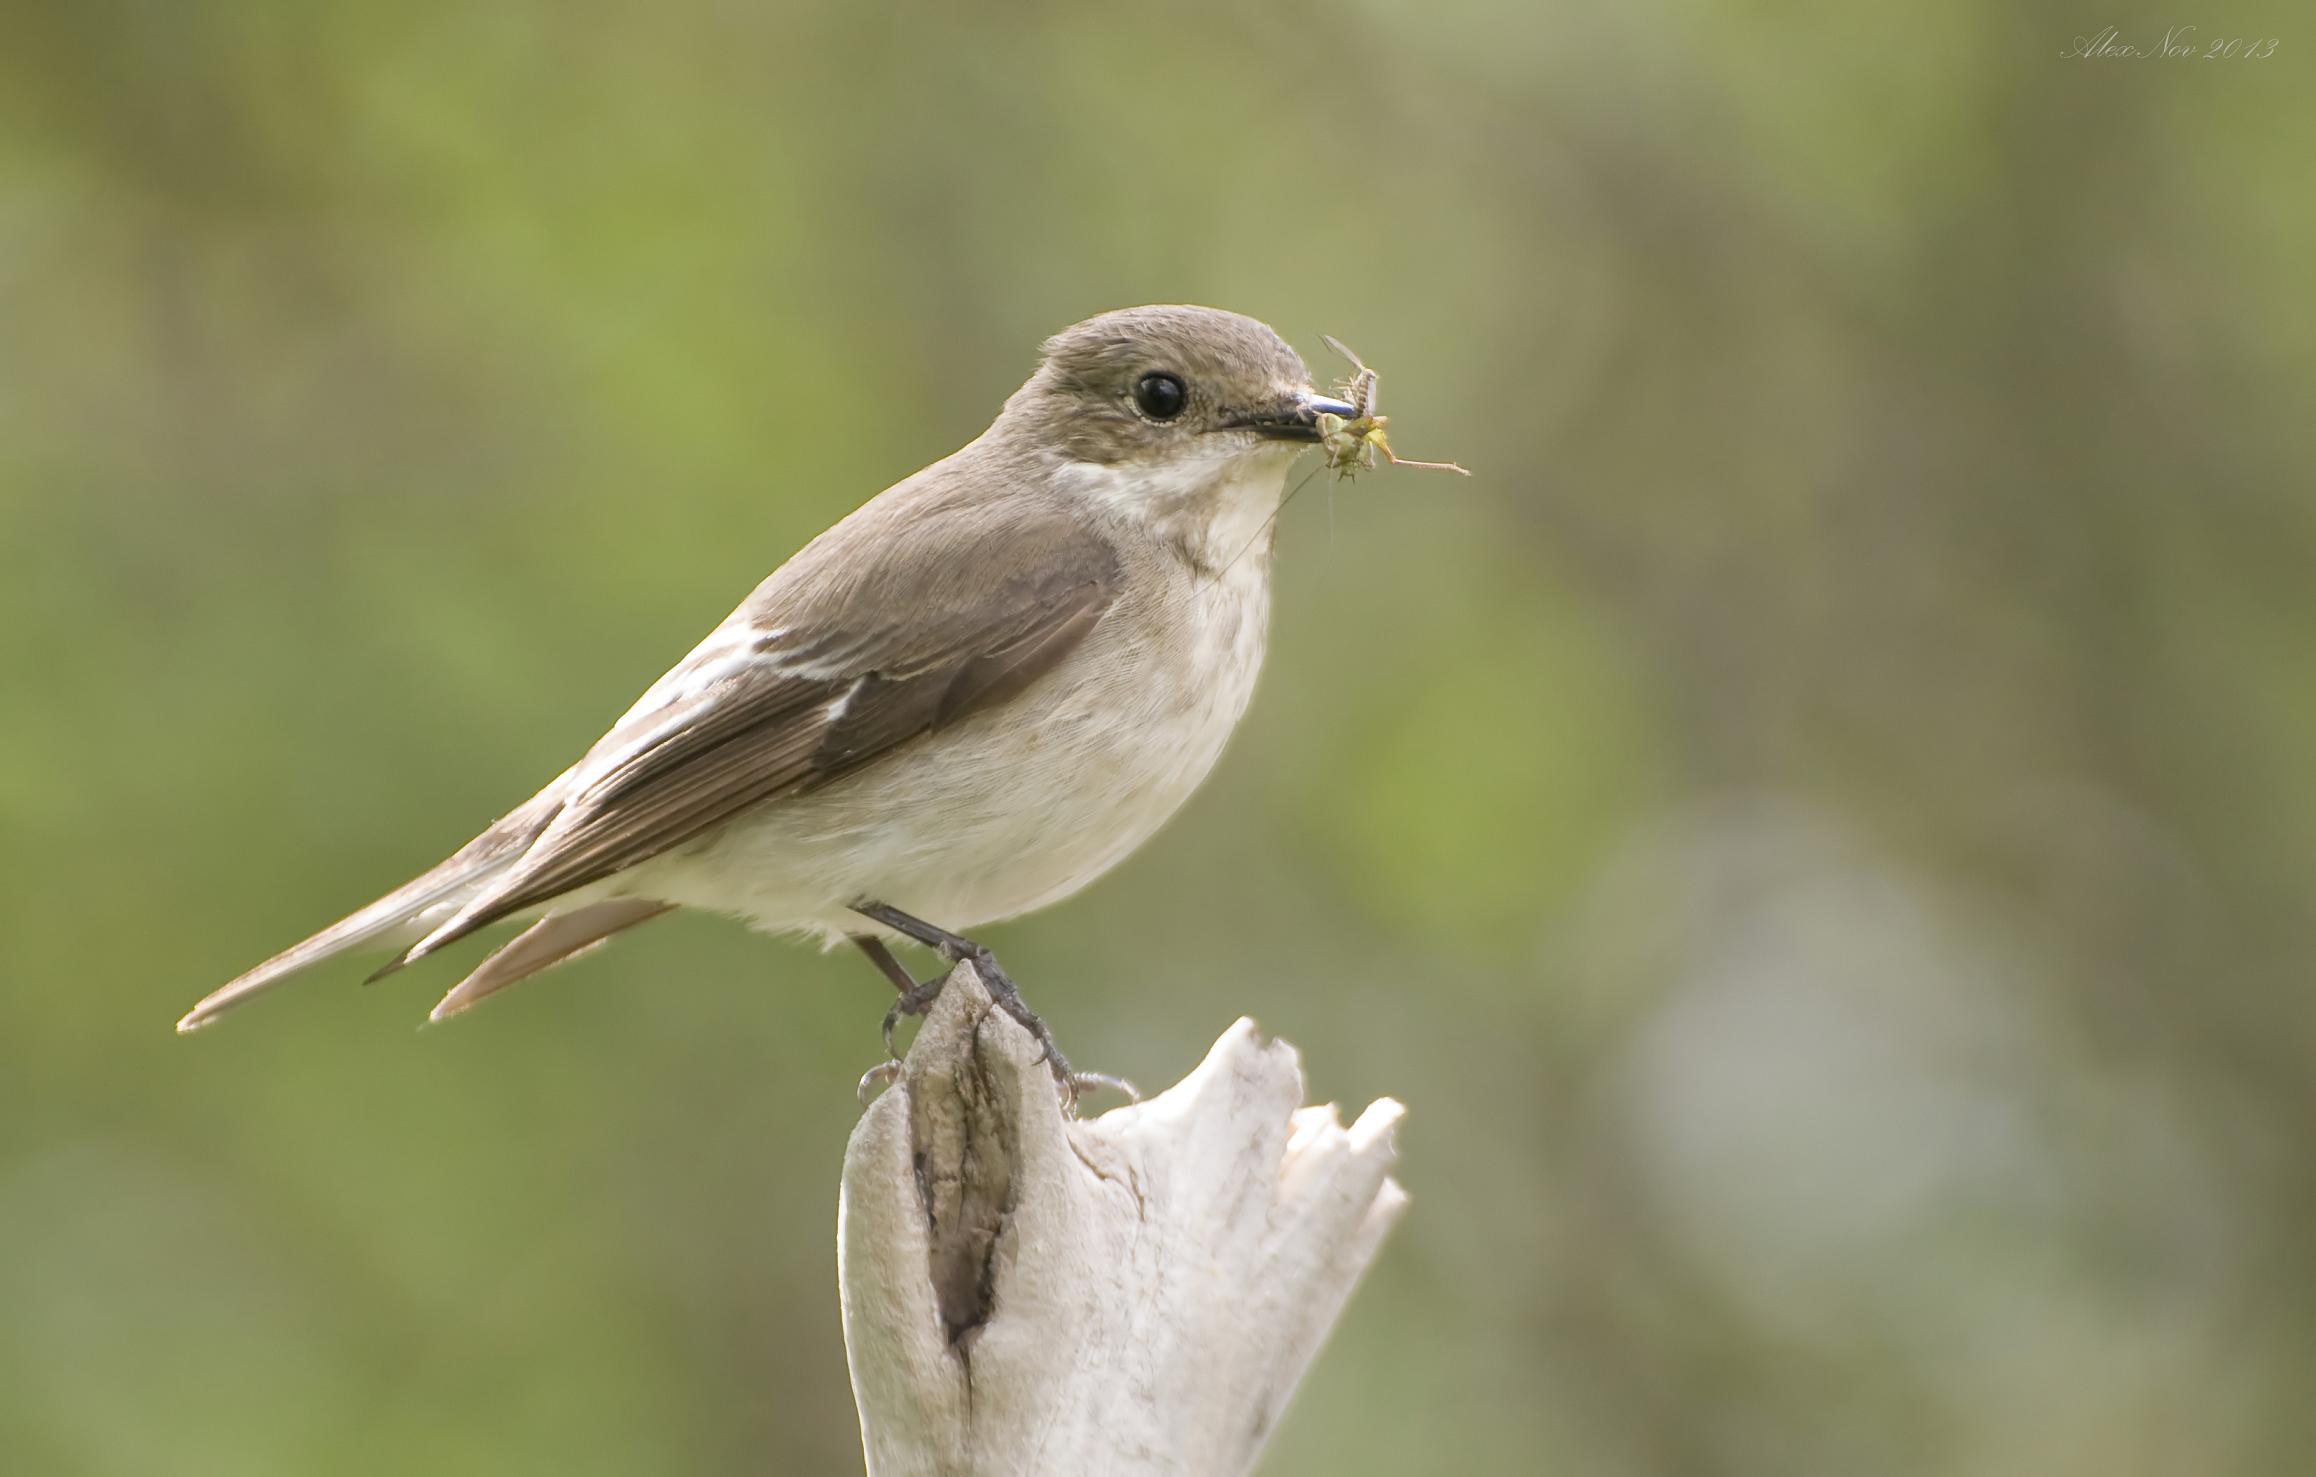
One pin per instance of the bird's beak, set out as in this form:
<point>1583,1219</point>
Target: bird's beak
<point>1295,418</point>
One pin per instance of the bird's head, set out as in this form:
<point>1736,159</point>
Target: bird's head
<point>1182,416</point>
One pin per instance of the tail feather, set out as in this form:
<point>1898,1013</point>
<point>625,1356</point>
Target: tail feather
<point>407,912</point>
<point>549,942</point>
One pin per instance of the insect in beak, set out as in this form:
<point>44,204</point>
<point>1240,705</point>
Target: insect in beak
<point>1353,435</point>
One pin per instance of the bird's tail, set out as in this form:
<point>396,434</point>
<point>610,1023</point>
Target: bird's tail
<point>401,916</point>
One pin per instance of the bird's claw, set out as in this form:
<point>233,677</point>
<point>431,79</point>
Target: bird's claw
<point>917,999</point>
<point>876,1079</point>
<point>1077,1084</point>
<point>1072,1083</point>
<point>914,1002</point>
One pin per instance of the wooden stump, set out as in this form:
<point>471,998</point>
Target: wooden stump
<point>1024,1293</point>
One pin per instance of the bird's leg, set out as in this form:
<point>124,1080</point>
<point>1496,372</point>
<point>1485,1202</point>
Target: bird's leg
<point>956,948</point>
<point>882,958</point>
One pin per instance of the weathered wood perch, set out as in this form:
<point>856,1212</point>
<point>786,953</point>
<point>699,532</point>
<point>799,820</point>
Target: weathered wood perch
<point>1140,1293</point>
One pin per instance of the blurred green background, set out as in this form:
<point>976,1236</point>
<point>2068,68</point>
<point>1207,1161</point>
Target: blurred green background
<point>1818,830</point>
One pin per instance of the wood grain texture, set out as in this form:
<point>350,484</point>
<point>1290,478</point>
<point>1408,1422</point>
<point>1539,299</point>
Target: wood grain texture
<point>1136,1294</point>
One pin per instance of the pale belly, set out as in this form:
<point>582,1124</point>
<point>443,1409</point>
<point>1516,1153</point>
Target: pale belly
<point>1011,809</point>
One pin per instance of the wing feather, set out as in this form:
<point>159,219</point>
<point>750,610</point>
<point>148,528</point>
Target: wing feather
<point>824,670</point>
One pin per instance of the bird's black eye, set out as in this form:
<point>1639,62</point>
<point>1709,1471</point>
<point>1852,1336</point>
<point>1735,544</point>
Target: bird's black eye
<point>1160,396</point>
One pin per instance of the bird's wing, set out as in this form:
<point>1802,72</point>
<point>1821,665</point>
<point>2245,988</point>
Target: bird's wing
<point>832,663</point>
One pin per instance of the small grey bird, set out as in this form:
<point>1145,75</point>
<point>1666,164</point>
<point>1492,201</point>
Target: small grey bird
<point>968,699</point>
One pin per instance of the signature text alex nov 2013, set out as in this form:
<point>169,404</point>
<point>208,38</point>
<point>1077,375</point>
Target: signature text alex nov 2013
<point>2180,43</point>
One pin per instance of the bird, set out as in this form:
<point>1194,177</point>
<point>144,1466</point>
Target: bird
<point>964,701</point>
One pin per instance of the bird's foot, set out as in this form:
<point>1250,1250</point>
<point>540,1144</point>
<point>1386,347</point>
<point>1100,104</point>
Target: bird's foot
<point>919,998</point>
<point>916,999</point>
<point>1073,1083</point>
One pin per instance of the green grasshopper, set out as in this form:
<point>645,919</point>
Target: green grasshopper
<point>1351,443</point>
